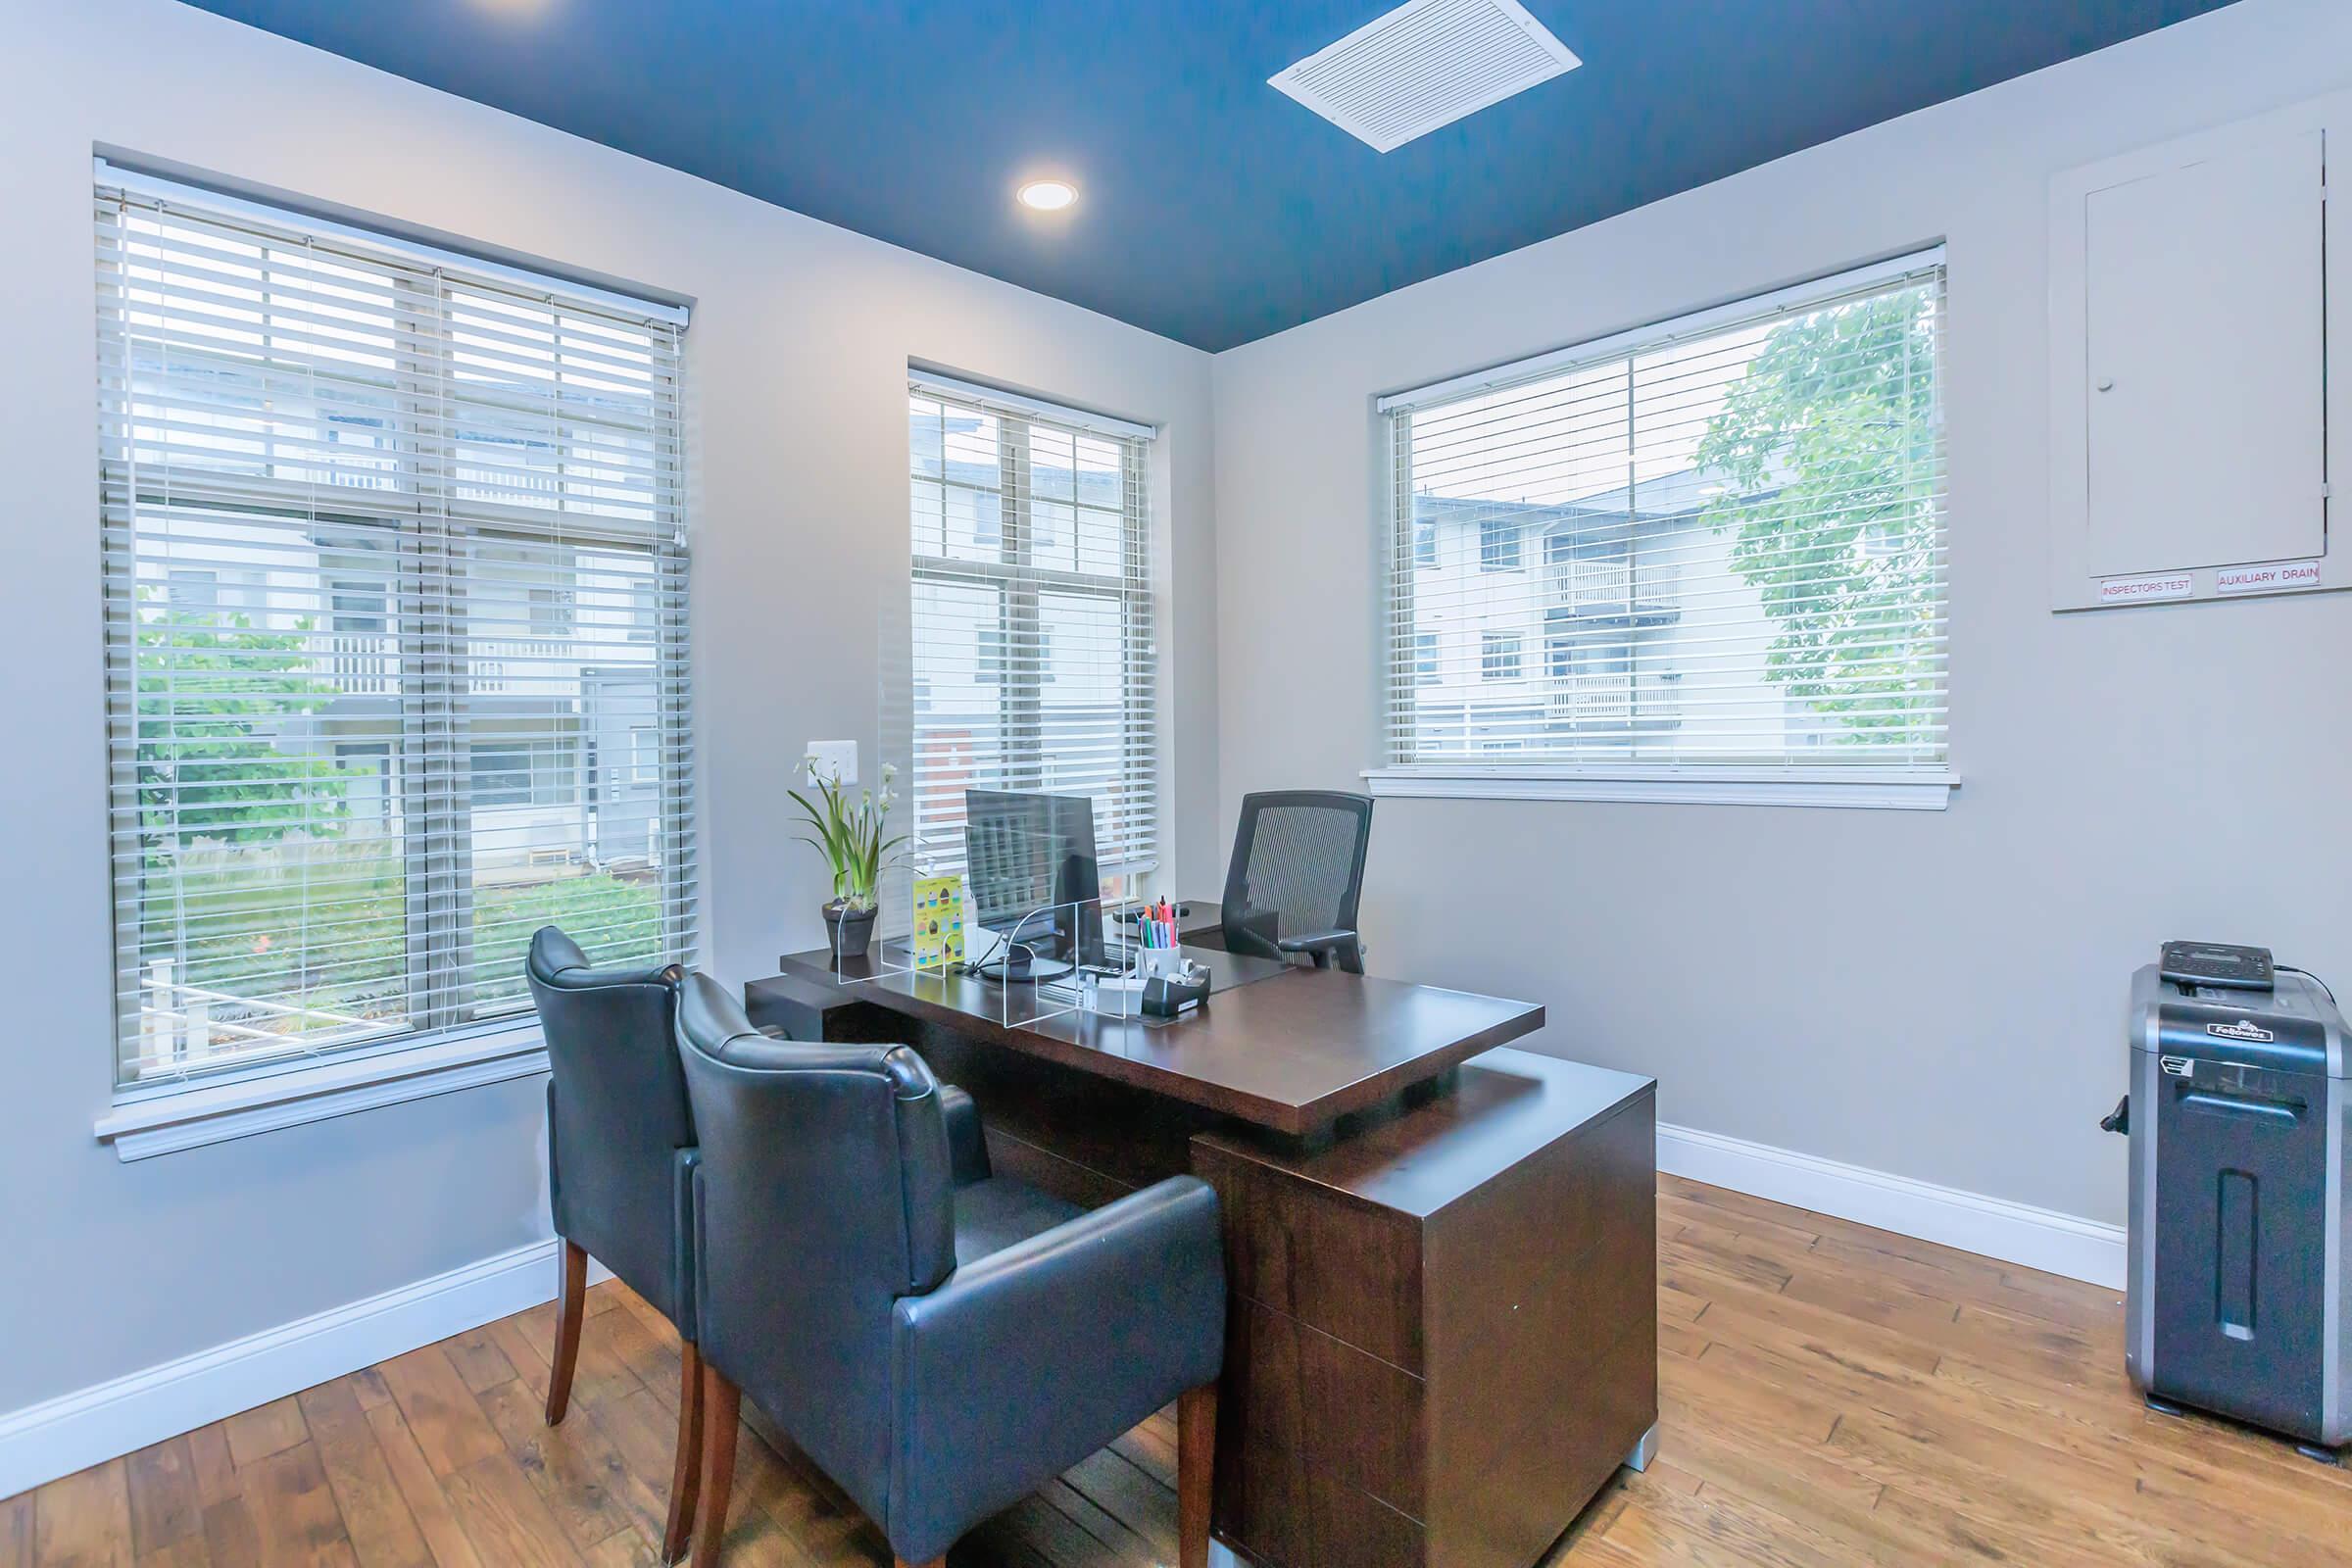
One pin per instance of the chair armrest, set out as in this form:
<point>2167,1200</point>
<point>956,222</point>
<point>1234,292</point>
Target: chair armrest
<point>1327,947</point>
<point>967,1144</point>
<point>1316,942</point>
<point>1031,1358</point>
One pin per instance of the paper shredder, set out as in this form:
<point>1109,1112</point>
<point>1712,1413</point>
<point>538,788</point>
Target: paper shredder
<point>2237,1117</point>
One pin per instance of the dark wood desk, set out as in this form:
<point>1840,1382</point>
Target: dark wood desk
<point>1278,1046</point>
<point>1441,1254</point>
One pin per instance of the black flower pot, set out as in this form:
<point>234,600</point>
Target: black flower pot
<point>848,930</point>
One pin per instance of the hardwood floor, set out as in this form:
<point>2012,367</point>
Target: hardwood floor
<point>1831,1394</point>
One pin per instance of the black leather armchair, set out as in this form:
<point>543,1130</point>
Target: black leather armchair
<point>621,1150</point>
<point>939,1350</point>
<point>1297,876</point>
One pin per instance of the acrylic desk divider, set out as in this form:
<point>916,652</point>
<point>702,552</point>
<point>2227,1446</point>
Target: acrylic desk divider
<point>1055,961</point>
<point>1060,961</point>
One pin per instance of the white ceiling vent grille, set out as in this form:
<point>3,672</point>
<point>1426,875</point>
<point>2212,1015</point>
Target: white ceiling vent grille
<point>1426,64</point>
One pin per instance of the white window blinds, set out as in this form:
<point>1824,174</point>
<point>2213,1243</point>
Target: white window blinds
<point>1034,664</point>
<point>395,589</point>
<point>1714,543</point>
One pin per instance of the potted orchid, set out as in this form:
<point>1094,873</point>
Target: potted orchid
<point>850,836</point>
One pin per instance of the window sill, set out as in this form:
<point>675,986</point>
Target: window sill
<point>1874,790</point>
<point>166,1123</point>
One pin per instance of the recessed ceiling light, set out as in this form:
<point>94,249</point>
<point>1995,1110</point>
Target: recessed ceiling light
<point>1049,195</point>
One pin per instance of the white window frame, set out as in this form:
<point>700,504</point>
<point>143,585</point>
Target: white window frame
<point>167,1115</point>
<point>1890,788</point>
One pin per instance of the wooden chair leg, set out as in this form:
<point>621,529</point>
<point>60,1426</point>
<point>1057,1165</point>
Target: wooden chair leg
<point>722,1409</point>
<point>1195,1470</point>
<point>572,1310</point>
<point>686,1471</point>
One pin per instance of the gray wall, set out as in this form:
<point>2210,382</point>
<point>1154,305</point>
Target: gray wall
<point>1934,995</point>
<point>800,343</point>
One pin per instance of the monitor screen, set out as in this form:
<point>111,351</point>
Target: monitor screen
<point>1029,857</point>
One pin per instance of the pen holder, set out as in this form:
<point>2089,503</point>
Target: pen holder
<point>1159,962</point>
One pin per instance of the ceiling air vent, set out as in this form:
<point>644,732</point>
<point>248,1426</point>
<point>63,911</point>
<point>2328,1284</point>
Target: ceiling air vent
<point>1426,64</point>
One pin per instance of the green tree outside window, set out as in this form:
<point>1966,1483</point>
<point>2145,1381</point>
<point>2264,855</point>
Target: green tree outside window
<point>1826,447</point>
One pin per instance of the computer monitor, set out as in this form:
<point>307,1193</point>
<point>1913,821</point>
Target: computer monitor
<point>1032,876</point>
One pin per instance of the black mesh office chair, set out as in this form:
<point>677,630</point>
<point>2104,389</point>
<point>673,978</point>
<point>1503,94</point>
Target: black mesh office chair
<point>1296,874</point>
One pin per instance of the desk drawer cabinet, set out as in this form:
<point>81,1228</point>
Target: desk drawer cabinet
<point>1352,1416</point>
<point>1444,1334</point>
<point>1306,1251</point>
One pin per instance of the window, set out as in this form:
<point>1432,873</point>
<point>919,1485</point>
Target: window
<point>206,595</point>
<point>998,658</point>
<point>1425,657</point>
<point>357,605</point>
<point>1742,517</point>
<point>1034,662</point>
<point>1498,657</point>
<point>551,613</point>
<point>192,592</point>
<point>382,530</point>
<point>525,772</point>
<point>1498,543</point>
<point>1425,544</point>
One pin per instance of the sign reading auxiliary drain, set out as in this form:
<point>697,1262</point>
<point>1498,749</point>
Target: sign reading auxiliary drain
<point>2266,580</point>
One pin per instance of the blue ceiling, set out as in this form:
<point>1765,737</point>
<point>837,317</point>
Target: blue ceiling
<point>1214,210</point>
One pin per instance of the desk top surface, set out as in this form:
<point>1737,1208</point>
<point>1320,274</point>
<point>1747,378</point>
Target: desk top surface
<point>1280,1047</point>
<point>1508,1105</point>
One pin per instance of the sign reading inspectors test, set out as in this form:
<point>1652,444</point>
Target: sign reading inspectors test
<point>2147,589</point>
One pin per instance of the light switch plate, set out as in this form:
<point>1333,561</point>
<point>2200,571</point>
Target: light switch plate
<point>833,760</point>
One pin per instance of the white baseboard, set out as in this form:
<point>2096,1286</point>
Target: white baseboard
<point>89,1426</point>
<point>2015,1232</point>
<point>58,1437</point>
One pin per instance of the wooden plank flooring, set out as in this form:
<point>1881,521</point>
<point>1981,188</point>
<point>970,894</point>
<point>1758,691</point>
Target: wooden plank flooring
<point>1831,1394</point>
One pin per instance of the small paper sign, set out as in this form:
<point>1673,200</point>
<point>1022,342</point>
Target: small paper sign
<point>2266,580</point>
<point>938,922</point>
<point>2147,589</point>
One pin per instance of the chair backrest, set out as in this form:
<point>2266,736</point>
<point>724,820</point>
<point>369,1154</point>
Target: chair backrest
<point>824,1193</point>
<point>616,1112</point>
<point>1297,866</point>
